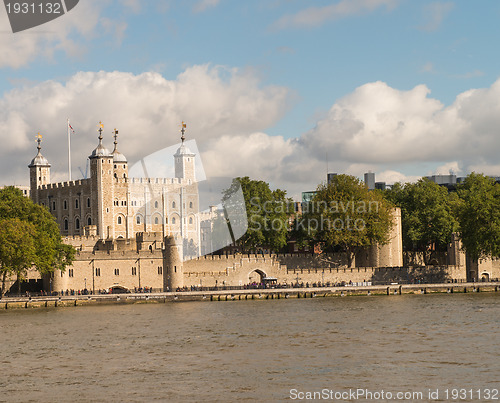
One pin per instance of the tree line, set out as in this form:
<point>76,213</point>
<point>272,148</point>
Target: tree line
<point>344,215</point>
<point>29,239</point>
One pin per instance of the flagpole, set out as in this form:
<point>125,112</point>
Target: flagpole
<point>69,151</point>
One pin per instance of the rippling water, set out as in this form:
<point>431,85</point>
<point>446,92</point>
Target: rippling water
<point>249,350</point>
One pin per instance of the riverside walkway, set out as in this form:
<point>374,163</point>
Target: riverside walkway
<point>244,294</point>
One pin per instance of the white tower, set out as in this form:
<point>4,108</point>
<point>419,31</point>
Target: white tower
<point>184,160</point>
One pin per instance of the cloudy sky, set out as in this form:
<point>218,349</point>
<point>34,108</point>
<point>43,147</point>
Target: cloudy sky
<point>278,90</point>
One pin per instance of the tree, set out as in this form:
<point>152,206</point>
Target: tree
<point>345,213</point>
<point>17,249</point>
<point>427,215</point>
<point>50,252</point>
<point>479,216</point>
<point>267,214</point>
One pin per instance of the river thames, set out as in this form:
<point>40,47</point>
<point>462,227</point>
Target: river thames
<point>263,350</point>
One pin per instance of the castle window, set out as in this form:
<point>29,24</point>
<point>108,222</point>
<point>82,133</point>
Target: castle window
<point>54,205</point>
<point>66,224</point>
<point>173,220</point>
<point>190,220</point>
<point>138,219</point>
<point>173,204</point>
<point>70,272</point>
<point>117,272</point>
<point>160,270</point>
<point>190,204</point>
<point>156,220</point>
<point>88,202</point>
<point>116,176</point>
<point>156,204</point>
<point>166,220</point>
<point>119,220</point>
<point>89,221</point>
<point>134,271</point>
<point>115,166</point>
<point>98,272</point>
<point>77,223</point>
<point>175,269</point>
<point>124,168</point>
<point>76,203</point>
<point>65,204</point>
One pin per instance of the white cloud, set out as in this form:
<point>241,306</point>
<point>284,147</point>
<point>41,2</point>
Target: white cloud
<point>376,127</point>
<point>67,33</point>
<point>203,5</point>
<point>146,108</point>
<point>434,14</point>
<point>390,177</point>
<point>452,167</point>
<point>315,16</point>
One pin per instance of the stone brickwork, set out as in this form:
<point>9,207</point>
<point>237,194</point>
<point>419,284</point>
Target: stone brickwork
<point>111,205</point>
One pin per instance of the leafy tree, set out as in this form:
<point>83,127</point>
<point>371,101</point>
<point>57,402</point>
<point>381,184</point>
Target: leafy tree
<point>427,215</point>
<point>479,216</point>
<point>50,252</point>
<point>345,213</point>
<point>267,211</point>
<point>17,249</point>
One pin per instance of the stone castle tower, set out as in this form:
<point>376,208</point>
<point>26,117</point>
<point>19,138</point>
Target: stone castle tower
<point>110,205</point>
<point>39,172</point>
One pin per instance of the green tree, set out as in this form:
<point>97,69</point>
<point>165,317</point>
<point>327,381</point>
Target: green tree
<point>427,215</point>
<point>479,216</point>
<point>50,252</point>
<point>17,249</point>
<point>267,212</point>
<point>345,213</point>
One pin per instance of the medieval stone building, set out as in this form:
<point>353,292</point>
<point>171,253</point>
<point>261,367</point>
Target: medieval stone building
<point>110,205</point>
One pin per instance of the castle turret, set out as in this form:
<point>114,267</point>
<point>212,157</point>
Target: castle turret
<point>184,160</point>
<point>120,163</point>
<point>173,273</point>
<point>39,171</point>
<point>101,171</point>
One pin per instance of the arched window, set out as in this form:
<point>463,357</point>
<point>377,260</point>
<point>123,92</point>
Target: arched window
<point>138,219</point>
<point>190,220</point>
<point>156,204</point>
<point>173,204</point>
<point>119,220</point>
<point>156,220</point>
<point>89,221</point>
<point>173,220</point>
<point>190,204</point>
<point>76,203</point>
<point>77,223</point>
<point>66,224</point>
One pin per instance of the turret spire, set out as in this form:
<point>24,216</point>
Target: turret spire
<point>39,141</point>
<point>101,126</point>
<point>183,130</point>
<point>115,135</point>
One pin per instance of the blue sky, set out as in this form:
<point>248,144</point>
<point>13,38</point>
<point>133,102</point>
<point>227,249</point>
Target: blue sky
<point>268,87</point>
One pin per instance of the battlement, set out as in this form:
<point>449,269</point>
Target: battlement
<point>160,181</point>
<point>63,185</point>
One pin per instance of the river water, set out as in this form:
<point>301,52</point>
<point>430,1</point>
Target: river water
<point>262,350</point>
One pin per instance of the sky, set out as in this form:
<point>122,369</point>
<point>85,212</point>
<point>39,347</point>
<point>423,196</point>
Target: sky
<point>277,90</point>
